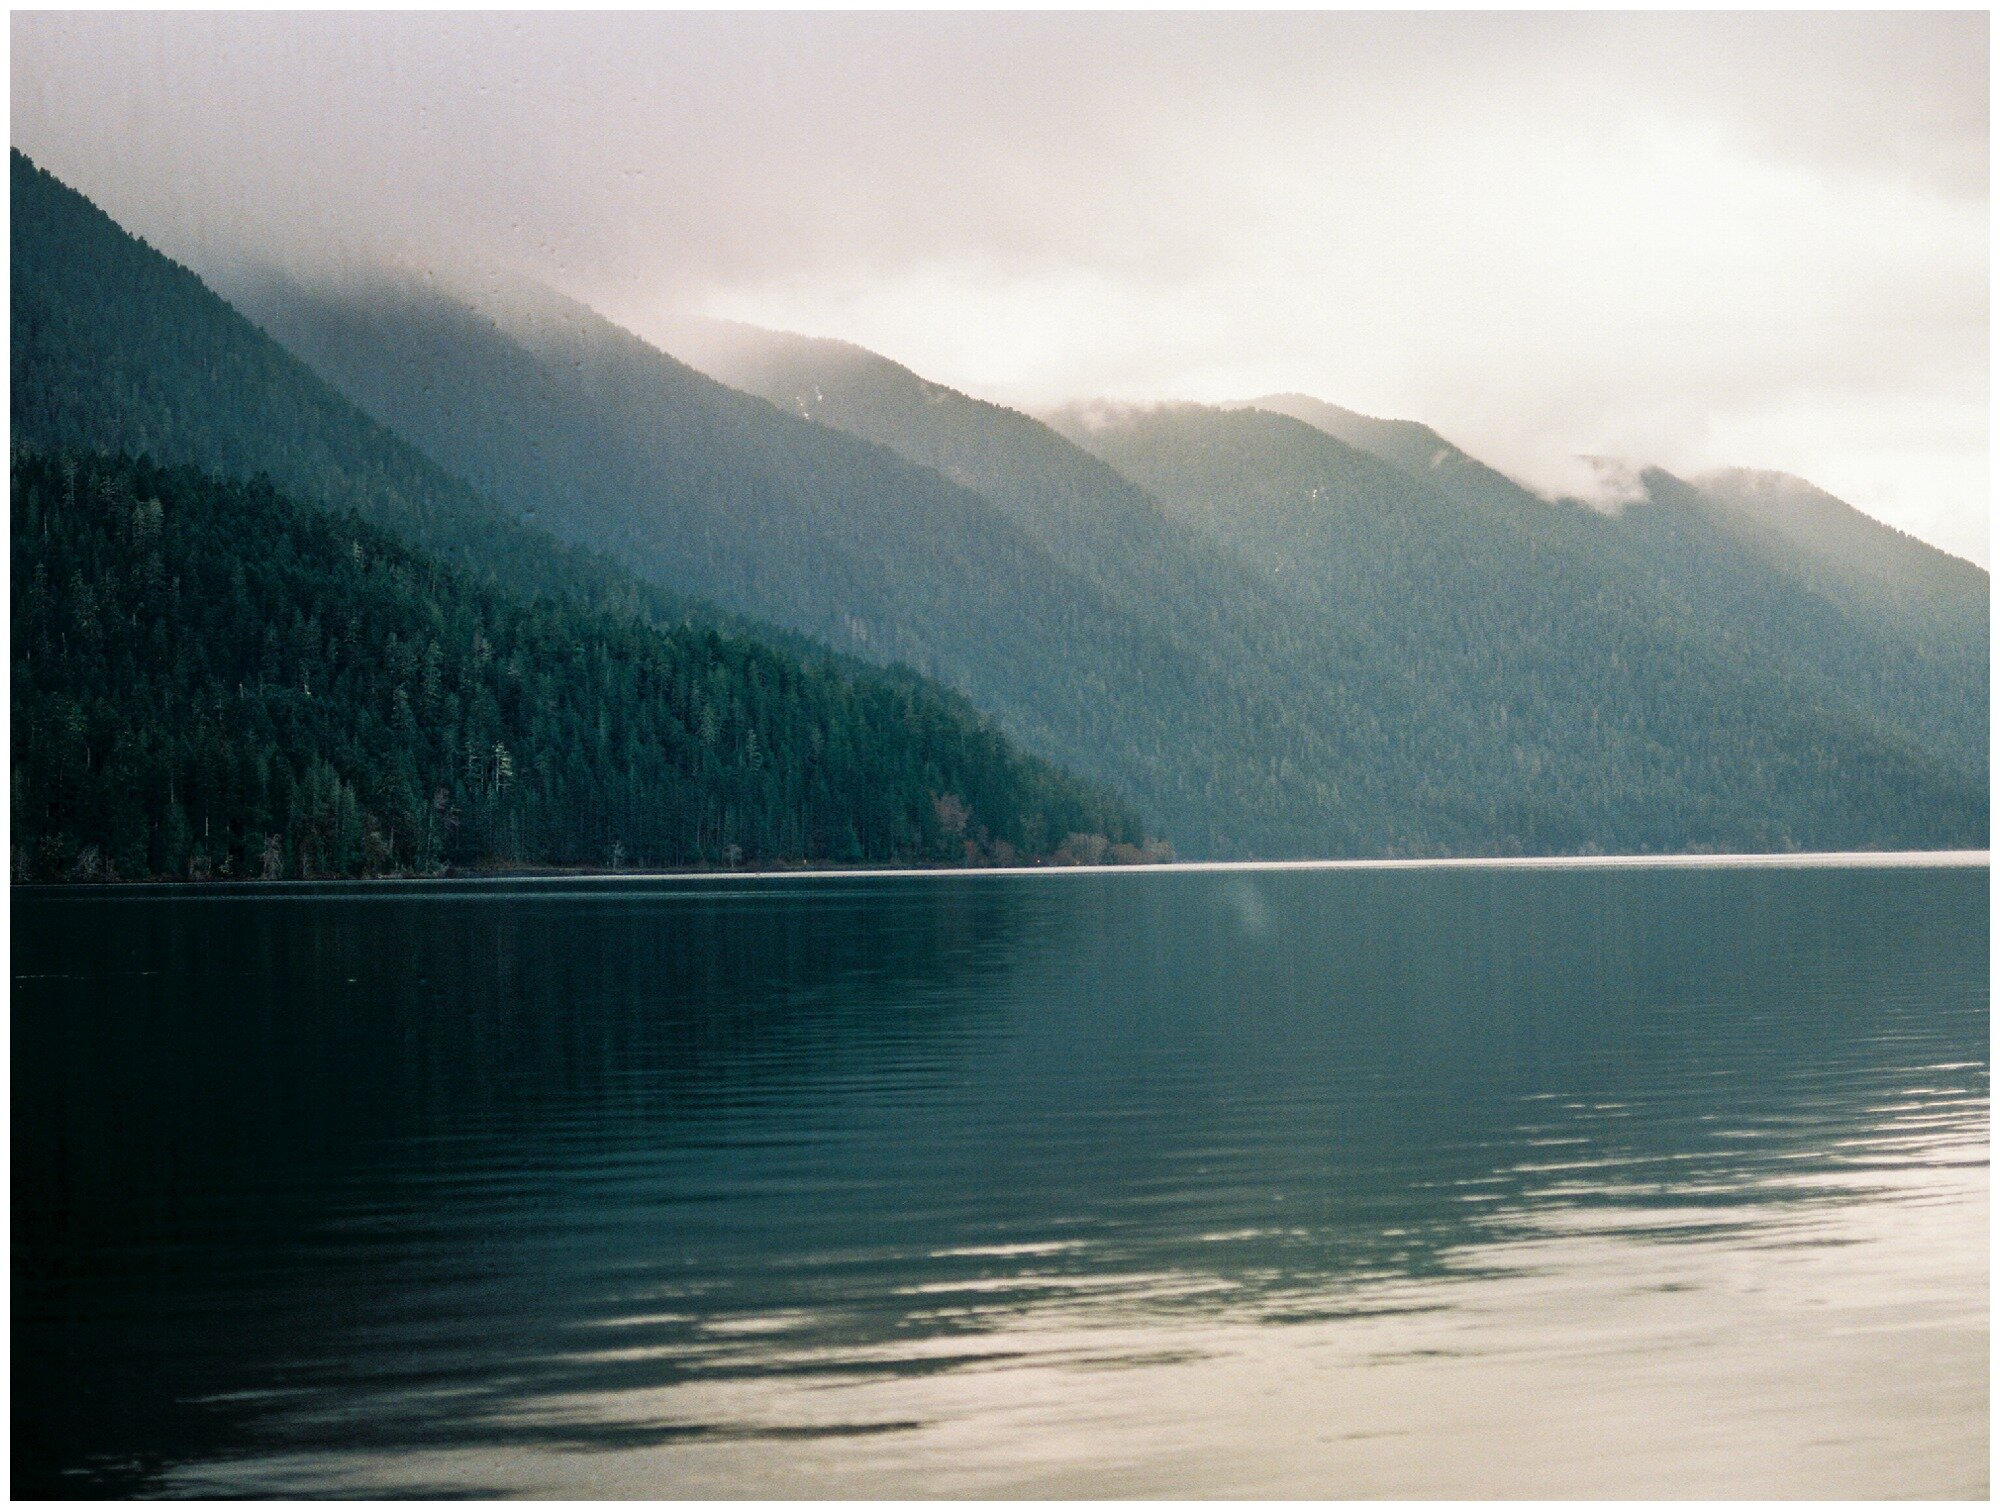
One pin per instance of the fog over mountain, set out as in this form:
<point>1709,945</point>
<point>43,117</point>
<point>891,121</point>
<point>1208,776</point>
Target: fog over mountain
<point>1272,631</point>
<point>1695,241</point>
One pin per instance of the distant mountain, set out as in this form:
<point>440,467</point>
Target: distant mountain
<point>1847,557</point>
<point>1106,662</point>
<point>1083,512</point>
<point>212,680</point>
<point>1758,564</point>
<point>1420,450</point>
<point>1613,704</point>
<point>1271,641</point>
<point>1900,627</point>
<point>1339,712</point>
<point>612,444</point>
<point>1439,598</point>
<point>115,349</point>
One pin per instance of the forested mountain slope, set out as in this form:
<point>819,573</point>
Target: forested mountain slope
<point>1346,722</point>
<point>1843,555</point>
<point>608,442</point>
<point>716,492</point>
<point>1086,514</point>
<point>1609,705</point>
<point>1761,565</point>
<point>211,680</point>
<point>1912,657</point>
<point>1419,687</point>
<point>1445,579</point>
<point>1421,451</point>
<point>116,348</point>
<point>1091,518</point>
<point>1794,527</point>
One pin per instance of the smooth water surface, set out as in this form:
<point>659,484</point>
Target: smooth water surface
<point>1441,1182</point>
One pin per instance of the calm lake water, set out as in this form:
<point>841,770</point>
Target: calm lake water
<point>1439,1182</point>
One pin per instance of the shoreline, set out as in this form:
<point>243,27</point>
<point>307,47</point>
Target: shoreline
<point>1746,860</point>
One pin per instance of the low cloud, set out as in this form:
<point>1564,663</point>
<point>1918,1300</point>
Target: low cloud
<point>1693,238</point>
<point>1604,483</point>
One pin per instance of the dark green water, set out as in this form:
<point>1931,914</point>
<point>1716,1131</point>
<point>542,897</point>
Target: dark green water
<point>1350,1182</point>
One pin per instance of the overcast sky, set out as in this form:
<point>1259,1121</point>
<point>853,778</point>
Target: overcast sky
<point>1694,239</point>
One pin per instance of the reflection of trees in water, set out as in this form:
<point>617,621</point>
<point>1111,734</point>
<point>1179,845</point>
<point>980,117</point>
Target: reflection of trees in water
<point>678,1118</point>
<point>218,1081</point>
<point>241,1040</point>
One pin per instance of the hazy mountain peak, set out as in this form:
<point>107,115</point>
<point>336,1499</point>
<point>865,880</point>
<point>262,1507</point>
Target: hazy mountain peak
<point>699,339</point>
<point>1412,441</point>
<point>809,375</point>
<point>1417,448</point>
<point>1776,496</point>
<point>1780,511</point>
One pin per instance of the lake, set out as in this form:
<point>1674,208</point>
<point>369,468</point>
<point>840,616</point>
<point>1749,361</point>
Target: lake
<point>1408,1181</point>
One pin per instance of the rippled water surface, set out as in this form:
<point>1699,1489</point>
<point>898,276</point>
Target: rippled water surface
<point>1619,1182</point>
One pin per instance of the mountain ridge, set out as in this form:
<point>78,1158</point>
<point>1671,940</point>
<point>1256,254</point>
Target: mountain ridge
<point>1274,642</point>
<point>117,349</point>
<point>884,400</point>
<point>1040,640</point>
<point>1860,601</point>
<point>1494,613</point>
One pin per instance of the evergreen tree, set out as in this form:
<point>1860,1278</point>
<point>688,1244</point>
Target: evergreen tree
<point>211,681</point>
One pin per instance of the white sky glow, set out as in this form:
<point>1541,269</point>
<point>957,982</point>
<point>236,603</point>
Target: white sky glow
<point>1695,239</point>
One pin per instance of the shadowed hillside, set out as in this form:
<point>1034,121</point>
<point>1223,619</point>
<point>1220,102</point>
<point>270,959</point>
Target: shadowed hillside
<point>212,680</point>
